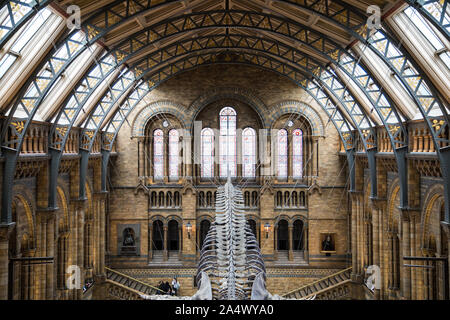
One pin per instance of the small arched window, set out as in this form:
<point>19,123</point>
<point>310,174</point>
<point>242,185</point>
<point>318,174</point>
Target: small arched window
<point>297,153</point>
<point>249,153</point>
<point>279,198</point>
<point>177,199</point>
<point>282,168</point>
<point>158,154</point>
<point>302,199</point>
<point>247,199</point>
<point>287,199</point>
<point>174,138</point>
<point>161,199</point>
<point>294,199</point>
<point>207,169</point>
<point>201,199</point>
<point>227,142</point>
<point>209,199</point>
<point>254,199</point>
<point>169,200</point>
<point>153,199</point>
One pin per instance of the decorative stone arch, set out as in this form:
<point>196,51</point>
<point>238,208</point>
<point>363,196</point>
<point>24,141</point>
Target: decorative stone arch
<point>142,118</point>
<point>205,217</point>
<point>65,209</point>
<point>19,197</point>
<point>90,204</point>
<point>283,217</point>
<point>240,94</point>
<point>188,187</point>
<point>300,108</point>
<point>253,217</point>
<point>435,193</point>
<point>300,217</point>
<point>160,218</point>
<point>198,222</point>
<point>393,191</point>
<point>176,218</point>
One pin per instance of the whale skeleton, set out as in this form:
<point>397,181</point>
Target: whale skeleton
<point>231,265</point>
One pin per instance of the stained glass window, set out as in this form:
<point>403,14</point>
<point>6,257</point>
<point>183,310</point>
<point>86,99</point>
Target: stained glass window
<point>297,153</point>
<point>158,154</point>
<point>248,153</point>
<point>173,154</point>
<point>282,171</point>
<point>227,142</point>
<point>207,153</point>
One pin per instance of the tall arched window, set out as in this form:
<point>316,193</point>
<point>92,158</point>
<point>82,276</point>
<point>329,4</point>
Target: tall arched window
<point>227,142</point>
<point>158,154</point>
<point>249,153</point>
<point>282,170</point>
<point>297,153</point>
<point>174,138</point>
<point>207,170</point>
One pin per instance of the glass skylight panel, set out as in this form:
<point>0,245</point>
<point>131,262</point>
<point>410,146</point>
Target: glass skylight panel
<point>445,57</point>
<point>31,29</point>
<point>6,63</point>
<point>424,28</point>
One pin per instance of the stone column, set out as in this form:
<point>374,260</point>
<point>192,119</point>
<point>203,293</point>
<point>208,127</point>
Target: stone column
<point>165,253</point>
<point>366,242</point>
<point>5,230</point>
<point>412,231</point>
<point>420,276</point>
<point>361,233</point>
<point>406,248</point>
<point>150,245</point>
<point>96,231</point>
<point>290,236</point>
<point>354,237</point>
<point>446,228</point>
<point>80,249</point>
<point>306,243</point>
<point>391,260</point>
<point>395,248</point>
<point>102,234</point>
<point>50,287</point>
<point>275,236</point>
<point>376,244</point>
<point>43,275</point>
<point>180,239</point>
<point>37,280</point>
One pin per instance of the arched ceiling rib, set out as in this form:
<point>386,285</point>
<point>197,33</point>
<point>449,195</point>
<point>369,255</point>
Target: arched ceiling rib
<point>237,57</point>
<point>102,23</point>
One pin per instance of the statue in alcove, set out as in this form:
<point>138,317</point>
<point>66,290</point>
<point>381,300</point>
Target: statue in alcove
<point>327,244</point>
<point>128,239</point>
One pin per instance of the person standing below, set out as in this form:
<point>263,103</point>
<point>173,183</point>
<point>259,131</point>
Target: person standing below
<point>167,288</point>
<point>175,286</point>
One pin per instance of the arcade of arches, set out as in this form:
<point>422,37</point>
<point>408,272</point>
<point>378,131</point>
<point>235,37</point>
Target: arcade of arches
<point>116,136</point>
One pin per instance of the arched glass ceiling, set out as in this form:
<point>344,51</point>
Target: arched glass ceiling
<point>341,14</point>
